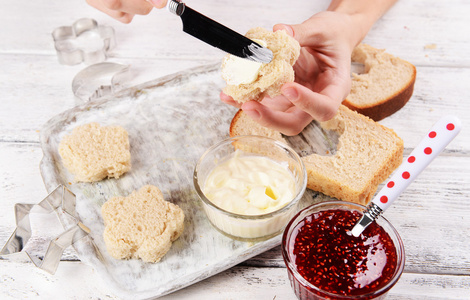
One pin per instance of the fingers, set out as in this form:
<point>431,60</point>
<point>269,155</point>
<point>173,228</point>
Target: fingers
<point>301,32</point>
<point>291,112</point>
<point>321,106</point>
<point>280,103</point>
<point>285,27</point>
<point>158,3</point>
<point>294,110</point>
<point>274,113</point>
<point>229,100</point>
<point>125,10</point>
<point>289,122</point>
<point>135,7</point>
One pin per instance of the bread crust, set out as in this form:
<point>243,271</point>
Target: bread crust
<point>386,107</point>
<point>336,175</point>
<point>381,106</point>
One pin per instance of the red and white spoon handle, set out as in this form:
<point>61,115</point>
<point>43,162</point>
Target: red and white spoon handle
<point>440,135</point>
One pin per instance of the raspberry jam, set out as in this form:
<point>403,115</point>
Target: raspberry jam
<point>331,259</point>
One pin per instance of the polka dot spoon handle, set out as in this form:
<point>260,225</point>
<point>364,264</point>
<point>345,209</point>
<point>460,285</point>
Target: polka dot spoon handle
<point>440,135</point>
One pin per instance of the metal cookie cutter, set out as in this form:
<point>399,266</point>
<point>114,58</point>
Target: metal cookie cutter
<point>60,201</point>
<point>99,80</point>
<point>84,41</point>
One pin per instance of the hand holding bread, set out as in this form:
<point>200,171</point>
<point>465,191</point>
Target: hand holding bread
<point>322,71</point>
<point>322,76</point>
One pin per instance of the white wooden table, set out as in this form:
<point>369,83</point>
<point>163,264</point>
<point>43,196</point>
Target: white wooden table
<point>432,216</point>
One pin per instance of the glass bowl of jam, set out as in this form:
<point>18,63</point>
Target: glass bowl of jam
<point>250,186</point>
<point>325,261</point>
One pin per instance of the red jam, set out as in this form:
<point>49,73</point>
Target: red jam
<point>328,256</point>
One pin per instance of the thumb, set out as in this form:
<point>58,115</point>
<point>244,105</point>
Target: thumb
<point>322,107</point>
<point>301,32</point>
<point>158,3</point>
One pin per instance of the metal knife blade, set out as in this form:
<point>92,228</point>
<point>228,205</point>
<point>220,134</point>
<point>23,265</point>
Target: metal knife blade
<point>217,35</point>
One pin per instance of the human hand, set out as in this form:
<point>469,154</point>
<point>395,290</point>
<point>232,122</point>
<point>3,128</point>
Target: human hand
<point>125,10</point>
<point>322,75</point>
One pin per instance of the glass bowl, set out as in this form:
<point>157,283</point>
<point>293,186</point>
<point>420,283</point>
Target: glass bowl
<point>250,227</point>
<point>317,252</point>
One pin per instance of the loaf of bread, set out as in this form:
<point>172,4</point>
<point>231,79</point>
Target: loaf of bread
<point>367,153</point>
<point>142,225</point>
<point>273,75</point>
<point>385,86</point>
<point>92,152</point>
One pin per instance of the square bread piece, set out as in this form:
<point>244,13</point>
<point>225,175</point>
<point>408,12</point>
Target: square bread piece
<point>367,153</point>
<point>92,152</point>
<point>142,225</point>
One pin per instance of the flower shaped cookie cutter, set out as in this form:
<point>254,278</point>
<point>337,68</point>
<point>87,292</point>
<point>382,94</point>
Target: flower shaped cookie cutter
<point>84,41</point>
<point>62,202</point>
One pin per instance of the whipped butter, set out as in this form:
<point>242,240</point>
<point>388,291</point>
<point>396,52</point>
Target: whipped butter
<point>237,70</point>
<point>250,185</point>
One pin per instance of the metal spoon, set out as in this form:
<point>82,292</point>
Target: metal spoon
<point>440,135</point>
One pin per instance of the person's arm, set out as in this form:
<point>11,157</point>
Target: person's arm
<point>364,13</point>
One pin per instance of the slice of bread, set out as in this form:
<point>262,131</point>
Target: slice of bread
<point>273,75</point>
<point>367,153</point>
<point>92,152</point>
<point>385,86</point>
<point>142,225</point>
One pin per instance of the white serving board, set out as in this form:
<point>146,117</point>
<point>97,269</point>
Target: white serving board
<point>171,121</point>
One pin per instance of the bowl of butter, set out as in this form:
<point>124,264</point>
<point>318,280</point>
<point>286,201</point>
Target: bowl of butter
<point>250,186</point>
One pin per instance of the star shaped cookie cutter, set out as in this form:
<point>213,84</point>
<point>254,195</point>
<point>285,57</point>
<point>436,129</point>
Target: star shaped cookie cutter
<point>85,41</point>
<point>62,202</point>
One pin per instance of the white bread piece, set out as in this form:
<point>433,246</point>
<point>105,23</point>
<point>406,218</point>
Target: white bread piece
<point>273,75</point>
<point>367,153</point>
<point>142,225</point>
<point>385,86</point>
<point>92,152</point>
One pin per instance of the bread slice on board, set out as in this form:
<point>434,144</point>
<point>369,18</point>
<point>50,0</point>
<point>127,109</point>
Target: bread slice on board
<point>142,225</point>
<point>93,152</point>
<point>384,87</point>
<point>367,153</point>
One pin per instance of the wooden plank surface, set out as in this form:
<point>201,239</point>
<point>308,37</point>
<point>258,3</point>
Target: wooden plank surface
<point>432,216</point>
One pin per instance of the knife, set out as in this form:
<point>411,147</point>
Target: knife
<point>217,35</point>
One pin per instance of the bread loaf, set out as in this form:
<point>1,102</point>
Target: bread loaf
<point>367,153</point>
<point>273,75</point>
<point>142,225</point>
<point>385,86</point>
<point>92,152</point>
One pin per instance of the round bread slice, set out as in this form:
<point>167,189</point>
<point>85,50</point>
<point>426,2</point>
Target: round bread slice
<point>92,152</point>
<point>142,225</point>
<point>385,86</point>
<point>271,76</point>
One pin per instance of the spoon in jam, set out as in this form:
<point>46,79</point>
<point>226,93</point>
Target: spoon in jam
<point>440,135</point>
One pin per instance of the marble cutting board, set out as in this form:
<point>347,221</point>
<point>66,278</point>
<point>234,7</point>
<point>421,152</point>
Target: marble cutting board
<point>171,121</point>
